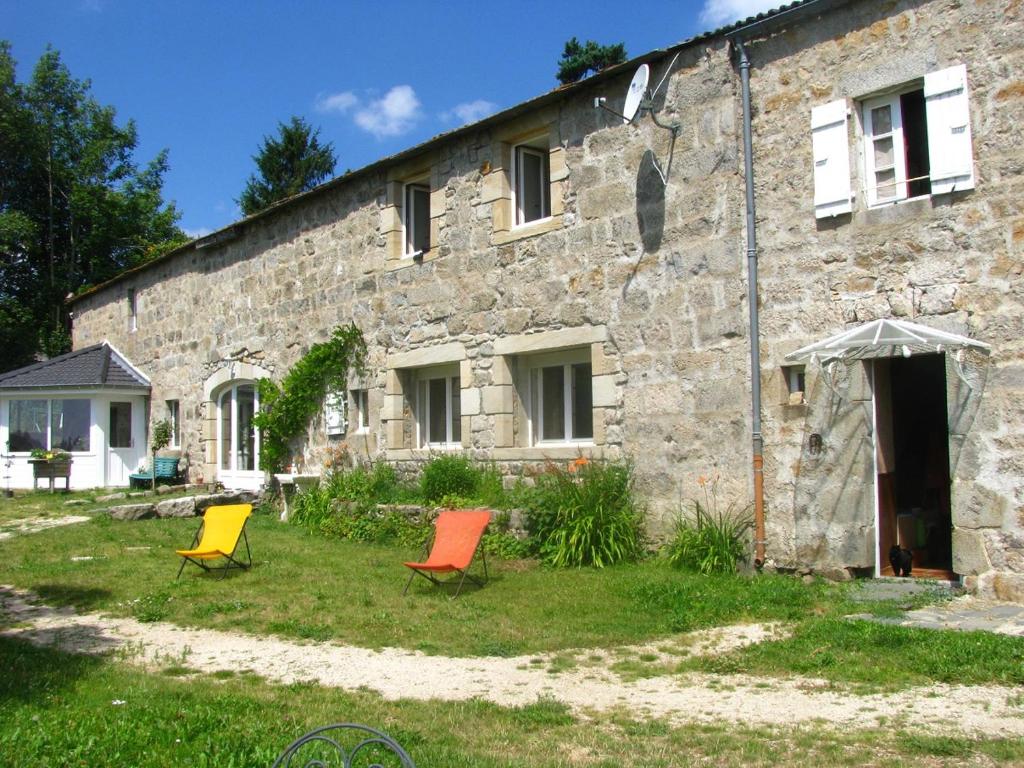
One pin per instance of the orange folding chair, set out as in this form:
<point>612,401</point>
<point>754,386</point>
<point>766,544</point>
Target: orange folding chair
<point>217,539</point>
<point>457,535</point>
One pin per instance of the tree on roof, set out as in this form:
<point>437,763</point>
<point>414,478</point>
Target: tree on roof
<point>292,162</point>
<point>75,206</point>
<point>579,59</point>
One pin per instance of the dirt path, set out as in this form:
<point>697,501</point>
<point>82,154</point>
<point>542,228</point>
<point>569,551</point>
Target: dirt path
<point>591,686</point>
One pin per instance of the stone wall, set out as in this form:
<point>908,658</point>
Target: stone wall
<point>648,282</point>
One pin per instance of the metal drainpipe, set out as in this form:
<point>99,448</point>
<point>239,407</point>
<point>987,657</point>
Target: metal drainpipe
<point>755,335</point>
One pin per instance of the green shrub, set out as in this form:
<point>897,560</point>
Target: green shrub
<point>585,515</point>
<point>450,475</point>
<point>710,539</point>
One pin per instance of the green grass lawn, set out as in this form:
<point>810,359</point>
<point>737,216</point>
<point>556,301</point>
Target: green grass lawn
<point>59,709</point>
<point>307,587</point>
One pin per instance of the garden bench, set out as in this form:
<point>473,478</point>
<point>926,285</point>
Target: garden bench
<point>166,468</point>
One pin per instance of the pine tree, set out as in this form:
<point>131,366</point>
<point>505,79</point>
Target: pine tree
<point>577,60</point>
<point>293,162</point>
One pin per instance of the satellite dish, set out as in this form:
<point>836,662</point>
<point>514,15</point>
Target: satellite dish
<point>635,92</point>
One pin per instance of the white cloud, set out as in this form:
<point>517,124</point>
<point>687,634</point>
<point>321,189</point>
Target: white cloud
<point>716,13</point>
<point>196,233</point>
<point>392,115</point>
<point>336,102</point>
<point>469,112</point>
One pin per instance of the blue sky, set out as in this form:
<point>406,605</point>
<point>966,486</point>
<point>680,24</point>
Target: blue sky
<point>208,80</point>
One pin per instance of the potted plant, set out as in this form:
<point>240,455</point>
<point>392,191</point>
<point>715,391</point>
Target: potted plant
<point>50,465</point>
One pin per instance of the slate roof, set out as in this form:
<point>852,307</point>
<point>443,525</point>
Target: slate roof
<point>97,367</point>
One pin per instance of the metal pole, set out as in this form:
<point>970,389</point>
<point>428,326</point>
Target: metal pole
<point>755,335</point>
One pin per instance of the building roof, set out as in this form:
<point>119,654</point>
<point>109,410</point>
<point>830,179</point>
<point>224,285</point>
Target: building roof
<point>747,26</point>
<point>97,367</point>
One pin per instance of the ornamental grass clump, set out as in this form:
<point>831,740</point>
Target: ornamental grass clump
<point>585,514</point>
<point>710,538</point>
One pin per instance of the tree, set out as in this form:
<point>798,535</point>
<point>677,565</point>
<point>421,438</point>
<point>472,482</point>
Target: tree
<point>75,208</point>
<point>577,60</point>
<point>293,162</point>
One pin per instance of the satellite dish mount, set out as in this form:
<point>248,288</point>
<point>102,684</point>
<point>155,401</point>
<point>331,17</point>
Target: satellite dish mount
<point>640,101</point>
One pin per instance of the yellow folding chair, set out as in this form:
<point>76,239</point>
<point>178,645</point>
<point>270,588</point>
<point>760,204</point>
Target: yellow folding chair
<point>217,538</point>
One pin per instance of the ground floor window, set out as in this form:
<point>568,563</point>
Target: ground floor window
<point>439,408</point>
<point>237,441</point>
<point>561,398</point>
<point>359,410</point>
<point>59,424</point>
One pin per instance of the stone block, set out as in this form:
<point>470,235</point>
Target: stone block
<point>504,430</point>
<point>132,511</point>
<point>969,555</point>
<point>184,507</point>
<point>976,506</point>
<point>497,399</point>
<point>394,407</point>
<point>112,497</point>
<point>605,392</point>
<point>470,404</point>
<point>465,373</point>
<point>390,219</point>
<point>1009,587</point>
<point>393,383</point>
<point>394,434</point>
<point>501,371</point>
<point>495,187</point>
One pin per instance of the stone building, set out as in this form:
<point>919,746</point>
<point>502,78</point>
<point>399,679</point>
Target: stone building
<point>552,282</point>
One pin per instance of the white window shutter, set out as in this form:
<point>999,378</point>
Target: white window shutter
<point>950,154</point>
<point>831,145</point>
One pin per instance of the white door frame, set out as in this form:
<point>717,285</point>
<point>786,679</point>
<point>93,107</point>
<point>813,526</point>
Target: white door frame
<point>232,476</point>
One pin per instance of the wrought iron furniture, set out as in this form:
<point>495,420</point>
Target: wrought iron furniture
<point>347,745</point>
<point>457,535</point>
<point>217,539</point>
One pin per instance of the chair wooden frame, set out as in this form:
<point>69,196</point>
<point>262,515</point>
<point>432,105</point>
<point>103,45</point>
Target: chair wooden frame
<point>221,525</point>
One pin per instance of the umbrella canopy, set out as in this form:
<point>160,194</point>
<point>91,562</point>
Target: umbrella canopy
<point>885,338</point>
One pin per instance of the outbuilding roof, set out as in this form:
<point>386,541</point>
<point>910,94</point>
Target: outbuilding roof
<point>97,367</point>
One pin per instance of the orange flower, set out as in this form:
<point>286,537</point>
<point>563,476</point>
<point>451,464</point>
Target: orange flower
<point>579,463</point>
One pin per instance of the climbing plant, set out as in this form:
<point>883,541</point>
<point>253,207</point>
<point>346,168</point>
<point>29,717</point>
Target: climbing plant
<point>286,410</point>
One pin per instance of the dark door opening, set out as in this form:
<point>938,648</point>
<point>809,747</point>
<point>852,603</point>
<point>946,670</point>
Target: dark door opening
<point>912,445</point>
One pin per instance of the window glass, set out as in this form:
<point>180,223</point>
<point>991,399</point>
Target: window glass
<point>552,400</point>
<point>582,402</point>
<point>417,218</point>
<point>456,409</point>
<point>225,430</point>
<point>173,416</point>
<point>532,181</point>
<point>246,434</point>
<point>27,425</point>
<point>436,411</point>
<point>69,425</point>
<point>120,425</point>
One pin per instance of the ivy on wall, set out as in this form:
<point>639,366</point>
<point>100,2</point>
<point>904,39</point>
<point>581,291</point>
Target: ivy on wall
<point>286,410</point>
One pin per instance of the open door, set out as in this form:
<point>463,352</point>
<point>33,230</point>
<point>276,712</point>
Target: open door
<point>912,452</point>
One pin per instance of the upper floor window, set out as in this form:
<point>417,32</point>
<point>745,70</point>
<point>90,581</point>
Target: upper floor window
<point>133,310</point>
<point>916,142</point>
<point>416,219</point>
<point>531,182</point>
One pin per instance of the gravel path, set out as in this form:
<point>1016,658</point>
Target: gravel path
<point>590,685</point>
<point>36,524</point>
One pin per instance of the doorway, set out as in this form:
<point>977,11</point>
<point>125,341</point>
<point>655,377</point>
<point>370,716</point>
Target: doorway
<point>912,454</point>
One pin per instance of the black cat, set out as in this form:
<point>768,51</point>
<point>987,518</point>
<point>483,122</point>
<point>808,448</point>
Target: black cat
<point>900,559</point>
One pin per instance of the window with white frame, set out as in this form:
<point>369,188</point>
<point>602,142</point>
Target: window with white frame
<point>438,408</point>
<point>561,397</point>
<point>415,219</point>
<point>335,414</point>
<point>359,411</point>
<point>531,182</point>
<point>133,310</point>
<point>916,142</point>
<point>59,424</point>
<point>174,419</point>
